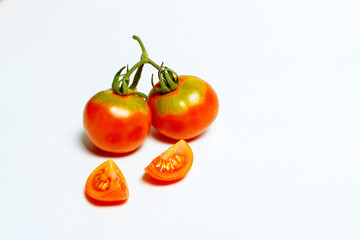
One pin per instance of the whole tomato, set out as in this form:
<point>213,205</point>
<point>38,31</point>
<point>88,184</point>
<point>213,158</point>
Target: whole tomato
<point>117,123</point>
<point>185,112</point>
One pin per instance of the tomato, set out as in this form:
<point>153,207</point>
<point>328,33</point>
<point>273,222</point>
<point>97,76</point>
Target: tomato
<point>117,123</point>
<point>172,164</point>
<point>185,112</point>
<point>107,183</point>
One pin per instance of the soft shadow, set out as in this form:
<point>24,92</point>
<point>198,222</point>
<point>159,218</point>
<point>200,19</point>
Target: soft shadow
<point>103,204</point>
<point>87,144</point>
<point>150,180</point>
<point>201,135</point>
<point>158,136</point>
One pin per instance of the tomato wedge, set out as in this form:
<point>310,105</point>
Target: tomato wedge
<point>107,183</point>
<point>172,164</point>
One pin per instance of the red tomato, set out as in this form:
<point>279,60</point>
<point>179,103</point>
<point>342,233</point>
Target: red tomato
<point>107,183</point>
<point>117,123</point>
<point>172,164</point>
<point>186,111</point>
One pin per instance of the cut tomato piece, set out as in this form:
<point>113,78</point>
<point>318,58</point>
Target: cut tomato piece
<point>107,183</point>
<point>172,164</point>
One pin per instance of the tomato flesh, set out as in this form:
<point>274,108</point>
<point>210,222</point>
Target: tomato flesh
<point>185,112</point>
<point>172,164</point>
<point>116,123</point>
<point>107,183</point>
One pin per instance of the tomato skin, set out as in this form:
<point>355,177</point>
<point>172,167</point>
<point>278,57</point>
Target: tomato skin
<point>173,164</point>
<point>185,112</point>
<point>107,183</point>
<point>117,123</point>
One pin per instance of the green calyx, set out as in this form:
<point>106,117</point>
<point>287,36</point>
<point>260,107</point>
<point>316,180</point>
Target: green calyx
<point>167,77</point>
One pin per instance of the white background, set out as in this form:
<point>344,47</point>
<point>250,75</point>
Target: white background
<point>281,161</point>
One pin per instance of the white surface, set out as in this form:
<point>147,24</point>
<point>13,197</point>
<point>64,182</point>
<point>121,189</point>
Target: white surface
<point>280,162</point>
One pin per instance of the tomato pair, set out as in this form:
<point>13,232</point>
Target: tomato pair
<point>107,183</point>
<point>120,123</point>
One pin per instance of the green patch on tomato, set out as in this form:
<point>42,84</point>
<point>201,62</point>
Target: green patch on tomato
<point>189,93</point>
<point>119,104</point>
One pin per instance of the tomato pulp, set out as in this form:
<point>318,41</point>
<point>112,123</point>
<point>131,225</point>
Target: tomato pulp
<point>117,123</point>
<point>107,183</point>
<point>185,112</point>
<point>172,164</point>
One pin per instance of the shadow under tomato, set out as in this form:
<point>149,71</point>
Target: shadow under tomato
<point>158,136</point>
<point>103,204</point>
<point>97,151</point>
<point>150,180</point>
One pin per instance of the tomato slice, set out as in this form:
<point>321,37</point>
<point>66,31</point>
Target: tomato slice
<point>172,164</point>
<point>107,183</point>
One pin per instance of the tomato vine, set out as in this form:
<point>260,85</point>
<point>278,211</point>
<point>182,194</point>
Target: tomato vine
<point>168,78</point>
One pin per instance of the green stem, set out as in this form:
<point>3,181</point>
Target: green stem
<point>153,64</point>
<point>138,64</point>
<point>121,87</point>
<point>143,61</point>
<point>144,53</point>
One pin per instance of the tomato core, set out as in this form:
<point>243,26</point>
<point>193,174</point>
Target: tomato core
<point>170,165</point>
